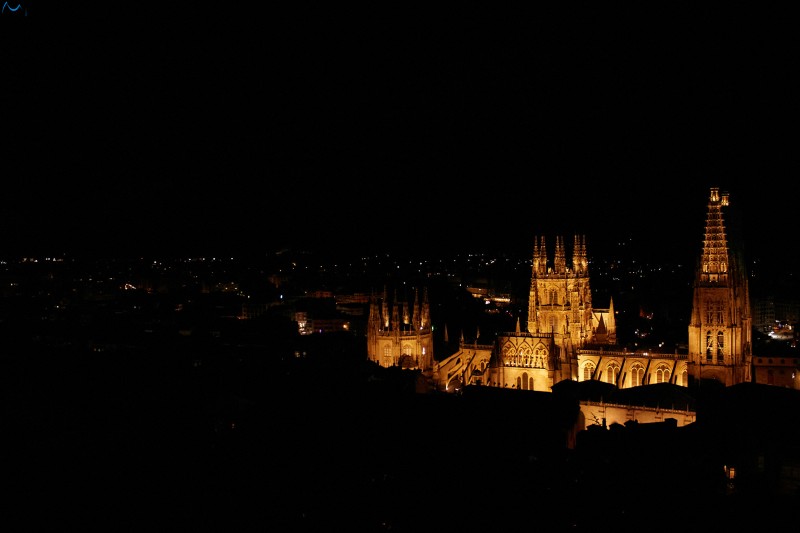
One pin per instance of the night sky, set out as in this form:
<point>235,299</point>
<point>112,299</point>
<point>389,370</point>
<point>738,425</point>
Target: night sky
<point>204,132</point>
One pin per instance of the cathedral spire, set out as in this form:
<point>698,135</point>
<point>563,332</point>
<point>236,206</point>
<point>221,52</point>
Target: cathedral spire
<point>425,311</point>
<point>560,261</point>
<point>579,261</point>
<point>395,313</point>
<point>714,260</point>
<point>539,257</point>
<point>720,329</point>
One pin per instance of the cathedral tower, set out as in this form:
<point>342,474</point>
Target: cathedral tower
<point>720,329</point>
<point>399,333</point>
<point>560,320</point>
<point>560,301</point>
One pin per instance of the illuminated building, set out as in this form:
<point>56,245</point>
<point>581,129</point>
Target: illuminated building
<point>720,331</point>
<point>399,333</point>
<point>568,339</point>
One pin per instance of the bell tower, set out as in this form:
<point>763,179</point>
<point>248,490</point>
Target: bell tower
<point>720,329</point>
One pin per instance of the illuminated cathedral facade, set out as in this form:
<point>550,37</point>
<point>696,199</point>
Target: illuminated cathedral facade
<point>567,338</point>
<point>399,332</point>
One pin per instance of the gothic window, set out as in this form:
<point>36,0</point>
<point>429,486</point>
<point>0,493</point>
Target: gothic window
<point>662,374</point>
<point>387,355</point>
<point>588,371</point>
<point>720,345</point>
<point>541,354</point>
<point>637,374</point>
<point>406,349</point>
<point>612,371</point>
<point>685,378</point>
<point>508,355</point>
<point>552,322</point>
<point>709,346</point>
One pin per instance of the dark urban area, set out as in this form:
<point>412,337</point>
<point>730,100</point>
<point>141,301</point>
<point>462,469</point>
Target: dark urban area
<point>209,209</point>
<point>146,394</point>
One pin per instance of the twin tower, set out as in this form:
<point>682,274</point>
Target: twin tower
<point>569,339</point>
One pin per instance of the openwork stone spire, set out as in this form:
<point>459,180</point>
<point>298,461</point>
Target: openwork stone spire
<point>714,261</point>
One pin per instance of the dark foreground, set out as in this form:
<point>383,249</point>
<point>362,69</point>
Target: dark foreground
<point>219,441</point>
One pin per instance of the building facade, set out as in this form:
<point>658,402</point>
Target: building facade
<point>399,332</point>
<point>567,338</point>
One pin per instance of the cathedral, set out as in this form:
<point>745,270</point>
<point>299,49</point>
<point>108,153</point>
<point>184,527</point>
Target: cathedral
<point>567,338</point>
<point>399,334</point>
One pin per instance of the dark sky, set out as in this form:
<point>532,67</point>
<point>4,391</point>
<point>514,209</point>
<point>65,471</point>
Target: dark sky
<point>205,132</point>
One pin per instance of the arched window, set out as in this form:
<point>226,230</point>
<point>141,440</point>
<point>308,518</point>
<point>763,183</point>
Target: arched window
<point>541,355</point>
<point>387,355</point>
<point>637,374</point>
<point>720,346</point>
<point>662,374</point>
<point>588,371</point>
<point>508,355</point>
<point>709,346</point>
<point>612,372</point>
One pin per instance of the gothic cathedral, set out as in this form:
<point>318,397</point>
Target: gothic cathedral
<point>561,322</point>
<point>569,339</point>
